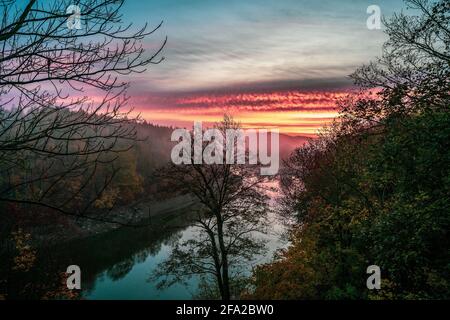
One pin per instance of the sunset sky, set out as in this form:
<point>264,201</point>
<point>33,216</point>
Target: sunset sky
<point>272,64</point>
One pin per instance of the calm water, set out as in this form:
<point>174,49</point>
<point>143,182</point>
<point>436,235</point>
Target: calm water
<point>128,278</point>
<point>117,265</point>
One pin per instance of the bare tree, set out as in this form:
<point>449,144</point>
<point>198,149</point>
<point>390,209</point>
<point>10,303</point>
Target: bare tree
<point>233,208</point>
<point>411,77</point>
<point>51,131</point>
<point>413,73</point>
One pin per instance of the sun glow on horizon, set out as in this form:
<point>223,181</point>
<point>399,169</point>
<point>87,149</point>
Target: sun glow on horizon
<point>292,112</point>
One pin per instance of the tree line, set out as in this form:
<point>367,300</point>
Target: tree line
<point>373,188</point>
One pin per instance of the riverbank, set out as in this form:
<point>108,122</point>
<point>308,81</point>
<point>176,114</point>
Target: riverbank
<point>135,215</point>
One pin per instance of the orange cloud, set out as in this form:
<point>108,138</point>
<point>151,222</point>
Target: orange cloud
<point>292,112</point>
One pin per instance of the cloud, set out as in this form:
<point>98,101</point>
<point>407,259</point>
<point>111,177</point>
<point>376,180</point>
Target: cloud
<point>272,63</point>
<point>292,111</point>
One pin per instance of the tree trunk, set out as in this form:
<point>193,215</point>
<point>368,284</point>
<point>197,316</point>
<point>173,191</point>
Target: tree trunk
<point>216,263</point>
<point>224,254</point>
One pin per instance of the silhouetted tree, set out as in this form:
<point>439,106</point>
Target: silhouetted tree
<point>372,189</point>
<point>233,207</point>
<point>51,132</point>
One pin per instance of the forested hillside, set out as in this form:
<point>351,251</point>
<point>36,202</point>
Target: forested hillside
<point>374,188</point>
<point>125,177</point>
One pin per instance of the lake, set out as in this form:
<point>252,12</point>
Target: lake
<point>127,277</point>
<point>117,264</point>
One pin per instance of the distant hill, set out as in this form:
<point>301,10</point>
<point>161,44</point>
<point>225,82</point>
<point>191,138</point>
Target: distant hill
<point>290,143</point>
<point>155,150</point>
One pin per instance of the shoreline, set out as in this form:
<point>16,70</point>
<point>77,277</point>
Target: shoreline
<point>138,212</point>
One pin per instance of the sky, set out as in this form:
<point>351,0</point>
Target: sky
<point>273,64</point>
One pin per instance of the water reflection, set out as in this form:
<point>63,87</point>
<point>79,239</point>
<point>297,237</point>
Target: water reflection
<point>118,264</point>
